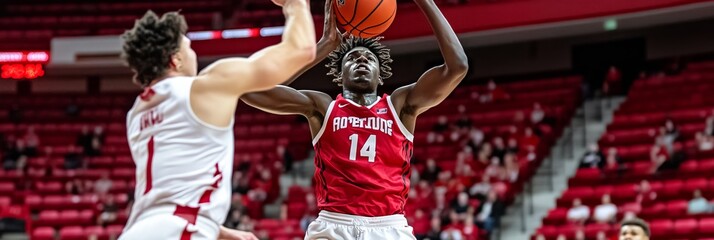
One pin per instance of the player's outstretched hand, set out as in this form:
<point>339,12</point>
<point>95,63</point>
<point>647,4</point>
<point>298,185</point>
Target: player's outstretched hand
<point>330,32</point>
<point>232,234</point>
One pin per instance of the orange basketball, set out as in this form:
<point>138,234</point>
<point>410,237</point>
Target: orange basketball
<point>365,18</point>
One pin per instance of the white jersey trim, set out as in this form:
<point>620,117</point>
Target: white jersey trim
<point>324,123</point>
<point>401,126</point>
<point>198,120</point>
<point>368,107</point>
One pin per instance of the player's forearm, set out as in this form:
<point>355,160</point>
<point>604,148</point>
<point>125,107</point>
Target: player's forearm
<point>299,30</point>
<point>324,48</point>
<point>451,49</point>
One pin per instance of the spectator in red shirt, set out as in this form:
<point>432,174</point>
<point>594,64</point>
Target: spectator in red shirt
<point>511,168</point>
<point>529,139</point>
<point>470,231</point>
<point>658,155</point>
<point>420,223</point>
<point>494,93</point>
<point>611,85</point>
<point>646,196</point>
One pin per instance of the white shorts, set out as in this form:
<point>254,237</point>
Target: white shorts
<point>337,226</point>
<point>164,224</point>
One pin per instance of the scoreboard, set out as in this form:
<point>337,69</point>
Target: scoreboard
<point>23,65</point>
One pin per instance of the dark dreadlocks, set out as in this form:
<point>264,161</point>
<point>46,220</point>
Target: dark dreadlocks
<point>348,43</point>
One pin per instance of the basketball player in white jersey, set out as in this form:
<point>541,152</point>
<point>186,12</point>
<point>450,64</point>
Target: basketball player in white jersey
<point>180,130</point>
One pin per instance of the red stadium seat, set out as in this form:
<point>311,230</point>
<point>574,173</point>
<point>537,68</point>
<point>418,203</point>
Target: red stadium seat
<point>685,227</point>
<point>661,228</point>
<point>72,233</point>
<point>706,226</point>
<point>43,233</point>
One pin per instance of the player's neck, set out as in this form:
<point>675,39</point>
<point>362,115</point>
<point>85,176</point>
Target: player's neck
<point>364,99</point>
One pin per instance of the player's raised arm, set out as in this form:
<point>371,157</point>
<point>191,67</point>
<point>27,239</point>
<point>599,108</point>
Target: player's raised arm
<point>286,100</point>
<point>436,83</point>
<point>270,66</point>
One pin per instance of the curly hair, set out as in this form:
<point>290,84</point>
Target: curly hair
<point>148,47</point>
<point>351,42</point>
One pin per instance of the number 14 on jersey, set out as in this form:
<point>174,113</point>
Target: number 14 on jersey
<point>368,150</point>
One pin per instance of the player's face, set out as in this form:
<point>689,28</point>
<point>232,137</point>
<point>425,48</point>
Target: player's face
<point>185,60</point>
<point>633,233</point>
<point>360,70</point>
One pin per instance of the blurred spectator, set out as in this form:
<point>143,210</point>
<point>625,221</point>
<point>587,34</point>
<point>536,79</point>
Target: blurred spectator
<point>435,230</point>
<point>72,109</point>
<point>103,185</point>
<point>709,126</point>
<point>494,93</point>
<point>670,129</point>
<point>285,156</point>
<point>540,237</point>
<point>74,187</point>
<point>579,213</point>
<point>613,163</point>
<point>234,217</point>
<point>489,212</point>
<point>512,146</point>
<point>109,211</point>
<point>241,183</point>
<point>453,229</point>
<point>704,142</point>
<point>593,158</point>
<point>499,148</point>
<point>469,230</point>
<point>605,212</point>
<point>483,158</point>
<point>528,155</point>
<point>311,211</point>
<point>12,153</point>
<point>32,142</point>
<point>511,168</point>
<point>431,172</point>
<point>441,125</point>
<point>678,157</point>
<point>529,139</point>
<point>461,206</point>
<point>495,170</point>
<point>561,237</point>
<point>537,114</point>
<point>95,149</point>
<point>601,235</point>
<point>98,134</point>
<point>475,138</point>
<point>464,121</point>
<point>481,189</point>
<point>246,224</point>
<point>579,235</point>
<point>645,195</point>
<point>84,139</point>
<point>658,155</point>
<point>72,159</point>
<point>613,80</point>
<point>519,120</point>
<point>698,204</point>
<point>420,223</point>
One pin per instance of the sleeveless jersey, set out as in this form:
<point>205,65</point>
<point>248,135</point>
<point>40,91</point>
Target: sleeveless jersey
<point>180,160</point>
<point>362,158</point>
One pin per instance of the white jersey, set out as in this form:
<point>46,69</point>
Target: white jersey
<point>180,160</point>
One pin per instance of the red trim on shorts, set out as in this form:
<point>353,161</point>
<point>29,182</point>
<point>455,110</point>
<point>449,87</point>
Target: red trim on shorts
<point>149,164</point>
<point>189,214</point>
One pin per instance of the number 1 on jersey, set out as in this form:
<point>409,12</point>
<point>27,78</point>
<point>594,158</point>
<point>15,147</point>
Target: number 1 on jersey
<point>369,149</point>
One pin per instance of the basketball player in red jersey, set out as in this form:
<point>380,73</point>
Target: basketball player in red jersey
<point>363,142</point>
<point>180,130</point>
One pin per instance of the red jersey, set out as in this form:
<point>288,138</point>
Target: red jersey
<point>362,159</point>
